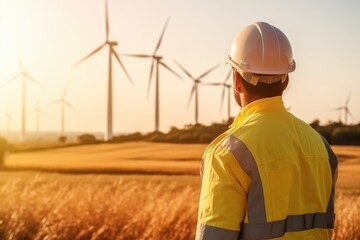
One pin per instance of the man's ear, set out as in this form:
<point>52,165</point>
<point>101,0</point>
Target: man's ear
<point>285,84</point>
<point>237,81</point>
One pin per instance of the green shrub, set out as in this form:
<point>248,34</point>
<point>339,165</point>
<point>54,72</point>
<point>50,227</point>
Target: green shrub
<point>346,136</point>
<point>3,149</point>
<point>87,139</point>
<point>62,139</point>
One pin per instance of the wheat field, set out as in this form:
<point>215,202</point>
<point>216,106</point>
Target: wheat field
<point>43,205</point>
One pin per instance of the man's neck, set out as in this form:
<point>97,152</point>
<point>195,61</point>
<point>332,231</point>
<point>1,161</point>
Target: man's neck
<point>247,99</point>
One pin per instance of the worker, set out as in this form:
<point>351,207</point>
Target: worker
<point>270,175</point>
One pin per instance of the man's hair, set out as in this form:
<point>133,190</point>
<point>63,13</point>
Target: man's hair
<point>263,89</point>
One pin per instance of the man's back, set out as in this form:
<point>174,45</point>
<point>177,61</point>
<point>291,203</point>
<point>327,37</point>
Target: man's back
<point>282,168</point>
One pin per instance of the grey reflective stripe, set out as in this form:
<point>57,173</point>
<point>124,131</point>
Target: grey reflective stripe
<point>290,224</point>
<point>256,202</point>
<point>333,165</point>
<point>206,232</point>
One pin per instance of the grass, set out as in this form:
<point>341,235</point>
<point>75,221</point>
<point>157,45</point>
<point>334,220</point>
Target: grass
<point>52,206</point>
<point>133,157</point>
<point>38,205</point>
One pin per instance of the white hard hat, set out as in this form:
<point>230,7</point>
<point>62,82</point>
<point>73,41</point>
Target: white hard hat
<point>261,52</point>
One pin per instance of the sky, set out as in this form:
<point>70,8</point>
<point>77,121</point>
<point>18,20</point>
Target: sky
<point>50,36</point>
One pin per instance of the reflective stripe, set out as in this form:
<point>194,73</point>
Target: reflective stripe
<point>256,202</point>
<point>290,224</point>
<point>333,165</point>
<point>206,232</point>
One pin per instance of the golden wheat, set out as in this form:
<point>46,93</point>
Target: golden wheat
<point>53,206</point>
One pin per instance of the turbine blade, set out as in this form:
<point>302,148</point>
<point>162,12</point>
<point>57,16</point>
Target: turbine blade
<point>69,105</point>
<point>228,76</point>
<point>107,20</point>
<point>347,100</point>
<point>137,55</point>
<point>337,109</point>
<point>347,112</point>
<point>209,71</point>
<point>168,68</point>
<point>184,70</point>
<point>161,36</point>
<point>122,66</point>
<point>150,77</point>
<point>222,98</point>
<point>13,78</point>
<point>56,102</point>
<point>191,95</point>
<point>65,91</point>
<point>34,81</point>
<point>212,84</point>
<point>89,55</point>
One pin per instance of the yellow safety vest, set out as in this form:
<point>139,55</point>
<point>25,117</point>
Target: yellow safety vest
<point>269,176</point>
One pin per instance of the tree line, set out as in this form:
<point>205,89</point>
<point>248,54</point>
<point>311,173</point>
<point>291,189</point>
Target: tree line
<point>335,133</point>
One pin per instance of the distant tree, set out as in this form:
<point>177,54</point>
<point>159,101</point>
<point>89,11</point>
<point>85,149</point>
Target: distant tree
<point>174,130</point>
<point>205,138</point>
<point>87,139</point>
<point>3,149</point>
<point>315,124</point>
<point>346,136</point>
<point>62,139</point>
<point>129,137</point>
<point>186,138</point>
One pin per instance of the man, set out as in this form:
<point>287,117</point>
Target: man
<point>270,175</point>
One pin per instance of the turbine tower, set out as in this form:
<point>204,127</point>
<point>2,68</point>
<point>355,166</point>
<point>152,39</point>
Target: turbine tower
<point>226,87</point>
<point>112,52</point>
<point>63,104</point>
<point>195,89</point>
<point>345,109</point>
<point>25,77</point>
<point>156,62</point>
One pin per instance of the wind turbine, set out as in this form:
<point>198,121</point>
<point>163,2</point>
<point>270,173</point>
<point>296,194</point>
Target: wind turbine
<point>345,109</point>
<point>112,52</point>
<point>63,104</point>
<point>225,87</point>
<point>195,89</point>
<point>25,77</point>
<point>37,111</point>
<point>156,62</point>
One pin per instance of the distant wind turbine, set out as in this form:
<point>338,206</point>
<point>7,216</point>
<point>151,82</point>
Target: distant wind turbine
<point>25,77</point>
<point>345,109</point>
<point>195,89</point>
<point>112,52</point>
<point>63,104</point>
<point>225,87</point>
<point>156,61</point>
<point>37,111</point>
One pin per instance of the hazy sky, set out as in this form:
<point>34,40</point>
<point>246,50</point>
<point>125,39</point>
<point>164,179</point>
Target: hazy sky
<point>52,35</point>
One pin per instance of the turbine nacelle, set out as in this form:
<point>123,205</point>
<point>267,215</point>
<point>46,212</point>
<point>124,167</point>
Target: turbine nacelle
<point>112,43</point>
